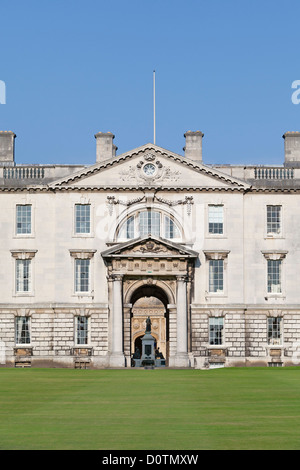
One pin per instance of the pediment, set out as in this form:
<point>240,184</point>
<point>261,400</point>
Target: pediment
<point>149,246</point>
<point>149,166</point>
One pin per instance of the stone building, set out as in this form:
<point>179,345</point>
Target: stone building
<point>209,252</point>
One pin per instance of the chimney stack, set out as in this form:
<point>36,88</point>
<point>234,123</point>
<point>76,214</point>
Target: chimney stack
<point>105,148</point>
<point>292,149</point>
<point>7,148</point>
<point>193,145</point>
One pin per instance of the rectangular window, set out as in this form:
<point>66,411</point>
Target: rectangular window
<point>23,219</point>
<point>82,275</point>
<point>82,218</point>
<point>274,330</point>
<point>149,222</point>
<point>215,219</point>
<point>23,275</point>
<point>216,275</point>
<point>273,220</point>
<point>82,330</point>
<point>274,276</point>
<point>22,330</point>
<point>216,325</point>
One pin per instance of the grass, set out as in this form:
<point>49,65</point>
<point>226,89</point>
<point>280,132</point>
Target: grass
<point>221,409</point>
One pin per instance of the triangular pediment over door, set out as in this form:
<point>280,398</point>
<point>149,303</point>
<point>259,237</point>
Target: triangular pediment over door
<point>149,256</point>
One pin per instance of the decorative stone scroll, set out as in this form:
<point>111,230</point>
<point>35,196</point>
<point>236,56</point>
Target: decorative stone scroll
<point>111,201</point>
<point>160,172</point>
<point>188,201</point>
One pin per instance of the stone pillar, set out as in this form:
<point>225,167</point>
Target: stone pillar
<point>127,333</point>
<point>117,355</point>
<point>182,359</point>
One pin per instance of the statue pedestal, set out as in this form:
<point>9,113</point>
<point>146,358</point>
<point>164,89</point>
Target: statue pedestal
<point>148,360</point>
<point>160,363</point>
<point>148,352</point>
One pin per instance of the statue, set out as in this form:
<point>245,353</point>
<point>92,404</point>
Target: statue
<point>158,354</point>
<point>137,354</point>
<point>148,325</point>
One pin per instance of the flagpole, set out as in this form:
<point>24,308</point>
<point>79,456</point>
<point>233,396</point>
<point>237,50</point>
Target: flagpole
<point>154,123</point>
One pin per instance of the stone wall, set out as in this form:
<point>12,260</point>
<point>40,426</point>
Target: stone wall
<point>52,334</point>
<point>245,338</point>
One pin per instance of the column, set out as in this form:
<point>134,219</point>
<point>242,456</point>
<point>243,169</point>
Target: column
<point>182,359</point>
<point>117,355</point>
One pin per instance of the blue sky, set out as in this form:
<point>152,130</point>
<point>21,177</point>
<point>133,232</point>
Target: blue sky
<point>74,68</point>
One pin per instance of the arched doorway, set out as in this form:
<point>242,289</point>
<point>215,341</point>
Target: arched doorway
<point>149,267</point>
<point>150,301</point>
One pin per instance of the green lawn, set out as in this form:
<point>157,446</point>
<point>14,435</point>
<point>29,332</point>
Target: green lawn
<point>240,408</point>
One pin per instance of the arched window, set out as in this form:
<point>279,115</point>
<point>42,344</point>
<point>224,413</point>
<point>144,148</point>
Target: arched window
<point>147,222</point>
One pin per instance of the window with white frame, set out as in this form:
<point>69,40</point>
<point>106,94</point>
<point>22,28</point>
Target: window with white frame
<point>274,331</point>
<point>274,220</point>
<point>82,218</point>
<point>22,330</point>
<point>82,324</point>
<point>23,219</point>
<point>274,276</point>
<point>147,222</point>
<point>127,229</point>
<point>23,275</point>
<point>215,219</point>
<point>216,275</point>
<point>82,270</point>
<point>216,330</point>
<point>82,275</point>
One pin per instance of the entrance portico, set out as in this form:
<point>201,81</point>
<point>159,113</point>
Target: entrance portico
<point>149,267</point>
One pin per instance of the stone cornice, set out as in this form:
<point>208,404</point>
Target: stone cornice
<point>199,167</point>
<point>216,254</point>
<point>274,254</point>
<point>127,188</point>
<point>23,254</point>
<point>82,254</point>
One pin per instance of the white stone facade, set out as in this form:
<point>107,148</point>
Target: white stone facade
<point>216,246</point>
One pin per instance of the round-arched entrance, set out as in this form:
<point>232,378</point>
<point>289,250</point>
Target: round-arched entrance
<point>150,301</point>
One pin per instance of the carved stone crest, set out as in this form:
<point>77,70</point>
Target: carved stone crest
<point>149,170</point>
<point>151,247</point>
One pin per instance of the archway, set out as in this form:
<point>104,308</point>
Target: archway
<point>150,301</point>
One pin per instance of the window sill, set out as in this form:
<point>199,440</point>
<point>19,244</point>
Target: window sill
<point>275,296</point>
<point>23,235</point>
<point>216,235</point>
<point>23,294</point>
<point>83,235</point>
<point>216,295</point>
<point>271,237</point>
<point>83,294</point>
